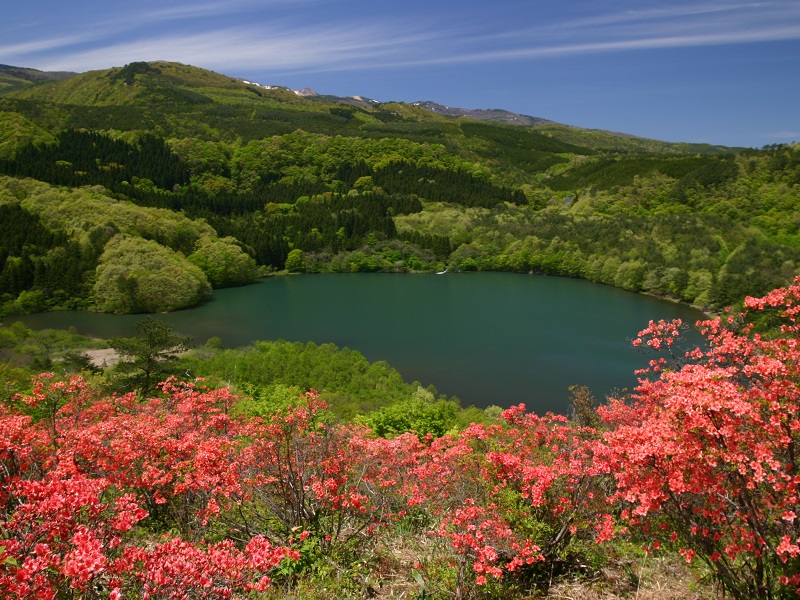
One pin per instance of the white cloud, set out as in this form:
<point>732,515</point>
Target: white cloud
<point>667,13</point>
<point>274,48</point>
<point>678,41</point>
<point>783,135</point>
<point>216,9</point>
<point>43,45</point>
<point>669,26</point>
<point>292,44</point>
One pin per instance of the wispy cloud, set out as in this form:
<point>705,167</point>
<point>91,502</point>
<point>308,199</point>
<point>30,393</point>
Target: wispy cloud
<point>287,40</point>
<point>275,48</point>
<point>783,135</point>
<point>789,32</point>
<point>215,9</point>
<point>43,45</point>
<point>669,26</point>
<point>666,13</point>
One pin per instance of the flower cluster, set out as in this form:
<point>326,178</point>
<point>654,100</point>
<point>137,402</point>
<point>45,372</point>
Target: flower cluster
<point>705,457</point>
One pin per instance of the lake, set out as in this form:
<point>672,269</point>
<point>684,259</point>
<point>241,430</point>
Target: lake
<point>488,338</point>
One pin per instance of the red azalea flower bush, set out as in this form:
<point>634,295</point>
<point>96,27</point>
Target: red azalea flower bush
<point>84,486</point>
<point>705,454</point>
<point>181,496</point>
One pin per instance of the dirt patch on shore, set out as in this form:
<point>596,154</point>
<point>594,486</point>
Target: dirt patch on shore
<point>102,357</point>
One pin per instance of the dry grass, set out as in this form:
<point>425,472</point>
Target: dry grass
<point>399,562</point>
<point>661,578</point>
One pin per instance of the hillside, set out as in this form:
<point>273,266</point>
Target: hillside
<point>167,86</point>
<point>15,78</point>
<point>322,184</point>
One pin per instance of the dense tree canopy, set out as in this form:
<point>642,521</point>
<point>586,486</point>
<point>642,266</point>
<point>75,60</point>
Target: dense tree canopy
<point>182,156</point>
<point>136,275</point>
<point>223,261</point>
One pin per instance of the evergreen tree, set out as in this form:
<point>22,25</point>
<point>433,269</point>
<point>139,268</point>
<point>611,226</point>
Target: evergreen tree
<point>147,359</point>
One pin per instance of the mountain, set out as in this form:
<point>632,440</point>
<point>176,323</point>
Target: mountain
<point>12,78</point>
<point>484,114</point>
<point>137,83</point>
<point>498,115</point>
<point>314,95</point>
<point>361,101</point>
<point>170,86</point>
<point>33,75</point>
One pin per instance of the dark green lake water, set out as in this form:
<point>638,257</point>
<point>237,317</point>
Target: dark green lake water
<point>488,338</point>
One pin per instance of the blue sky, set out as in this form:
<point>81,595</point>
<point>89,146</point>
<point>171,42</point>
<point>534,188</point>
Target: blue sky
<point>716,71</point>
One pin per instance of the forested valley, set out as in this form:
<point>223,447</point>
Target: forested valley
<point>171,173</point>
<point>293,469</point>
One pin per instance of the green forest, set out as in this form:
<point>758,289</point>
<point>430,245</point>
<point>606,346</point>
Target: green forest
<point>115,182</point>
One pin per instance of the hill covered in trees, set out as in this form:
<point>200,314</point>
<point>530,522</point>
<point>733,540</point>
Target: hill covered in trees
<point>114,182</point>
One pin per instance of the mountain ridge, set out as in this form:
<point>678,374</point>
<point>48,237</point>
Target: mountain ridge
<point>14,78</point>
<point>34,75</point>
<point>138,82</point>
<point>484,114</point>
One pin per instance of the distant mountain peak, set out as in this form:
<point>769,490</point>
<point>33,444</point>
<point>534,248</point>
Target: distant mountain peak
<point>18,78</point>
<point>483,114</point>
<point>365,99</point>
<point>34,75</point>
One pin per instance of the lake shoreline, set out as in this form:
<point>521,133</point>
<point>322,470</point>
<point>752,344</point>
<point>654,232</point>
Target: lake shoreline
<point>493,338</point>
